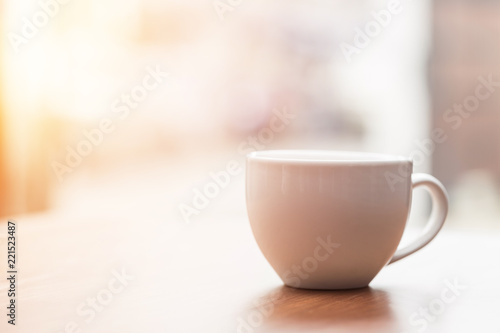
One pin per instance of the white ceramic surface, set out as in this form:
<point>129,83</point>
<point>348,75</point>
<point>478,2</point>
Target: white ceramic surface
<point>333,220</point>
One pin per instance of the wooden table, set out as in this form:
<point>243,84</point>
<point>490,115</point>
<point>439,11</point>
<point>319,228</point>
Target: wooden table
<point>98,274</point>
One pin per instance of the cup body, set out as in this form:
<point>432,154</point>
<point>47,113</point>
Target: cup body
<point>327,220</point>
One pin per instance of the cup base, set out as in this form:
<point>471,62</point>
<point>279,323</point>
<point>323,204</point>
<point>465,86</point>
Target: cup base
<point>330,287</point>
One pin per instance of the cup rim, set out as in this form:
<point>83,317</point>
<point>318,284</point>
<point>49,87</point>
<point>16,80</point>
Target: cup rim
<point>328,157</point>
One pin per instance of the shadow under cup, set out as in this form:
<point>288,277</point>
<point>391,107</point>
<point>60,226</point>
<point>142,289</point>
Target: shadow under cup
<point>327,220</point>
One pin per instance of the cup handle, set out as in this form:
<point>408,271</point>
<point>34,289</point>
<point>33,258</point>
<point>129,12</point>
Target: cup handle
<point>438,214</point>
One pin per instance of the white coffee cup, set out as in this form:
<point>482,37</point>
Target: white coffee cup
<point>333,220</point>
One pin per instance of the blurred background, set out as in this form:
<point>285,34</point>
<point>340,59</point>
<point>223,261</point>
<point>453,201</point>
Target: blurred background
<point>125,108</point>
